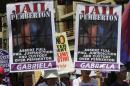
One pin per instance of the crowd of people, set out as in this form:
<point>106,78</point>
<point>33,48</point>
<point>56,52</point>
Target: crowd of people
<point>85,78</point>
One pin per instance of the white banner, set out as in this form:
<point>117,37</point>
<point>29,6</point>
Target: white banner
<point>64,60</point>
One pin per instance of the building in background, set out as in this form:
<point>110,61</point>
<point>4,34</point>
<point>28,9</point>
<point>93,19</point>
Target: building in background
<point>3,32</point>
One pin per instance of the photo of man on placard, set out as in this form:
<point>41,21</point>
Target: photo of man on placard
<point>32,33</point>
<point>97,34</point>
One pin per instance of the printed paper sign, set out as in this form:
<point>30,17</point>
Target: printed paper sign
<point>4,60</point>
<point>97,37</point>
<point>64,60</point>
<point>31,36</point>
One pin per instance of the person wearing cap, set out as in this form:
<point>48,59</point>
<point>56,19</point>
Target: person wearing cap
<point>93,75</point>
<point>120,77</point>
<point>84,79</point>
<point>97,76</point>
<point>51,79</point>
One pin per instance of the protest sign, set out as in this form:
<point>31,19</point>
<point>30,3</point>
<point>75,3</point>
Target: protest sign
<point>64,60</point>
<point>97,37</point>
<point>31,36</point>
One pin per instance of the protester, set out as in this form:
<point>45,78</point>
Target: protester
<point>85,80</point>
<point>128,77</point>
<point>51,78</point>
<point>93,75</point>
<point>111,77</point>
<point>40,80</point>
<point>65,78</point>
<point>96,75</point>
<point>121,76</point>
<point>2,75</point>
<point>74,75</point>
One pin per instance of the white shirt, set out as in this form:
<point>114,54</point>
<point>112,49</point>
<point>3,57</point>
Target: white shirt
<point>78,82</point>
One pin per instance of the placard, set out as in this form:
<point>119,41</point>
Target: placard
<point>97,37</point>
<point>31,36</point>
